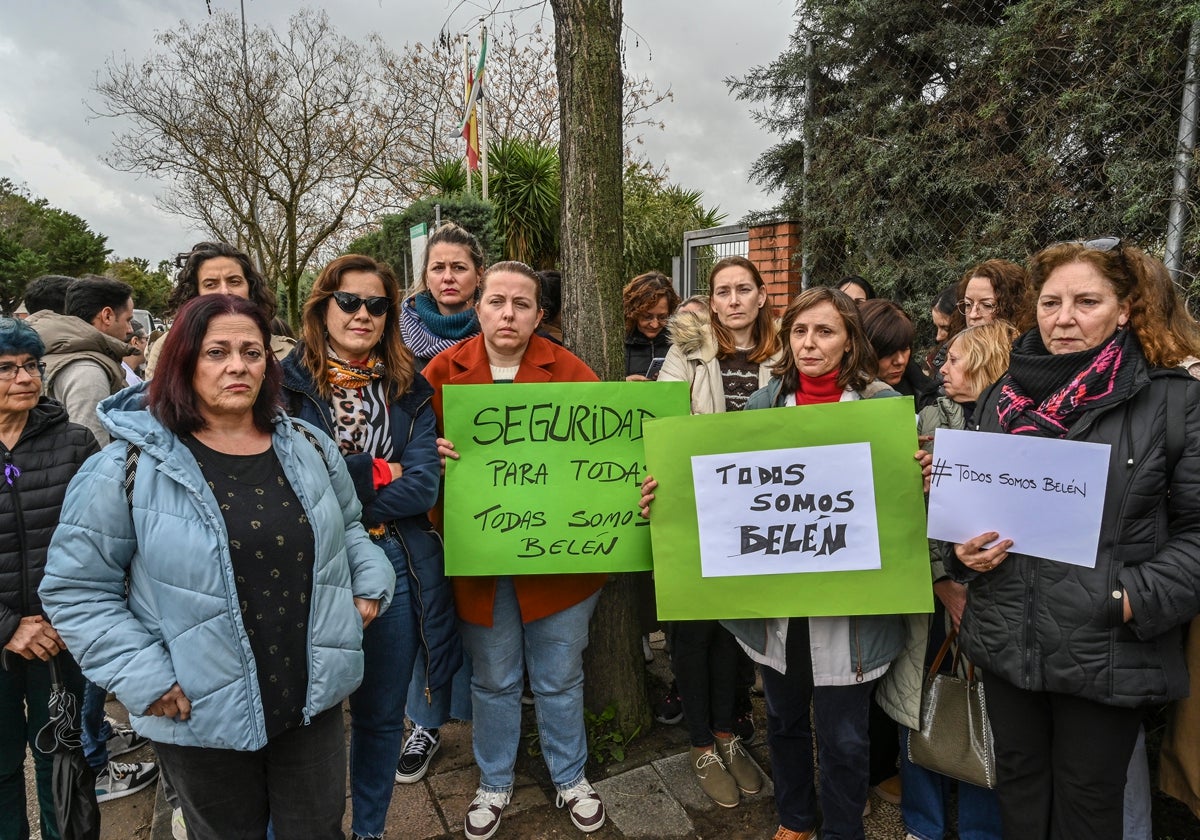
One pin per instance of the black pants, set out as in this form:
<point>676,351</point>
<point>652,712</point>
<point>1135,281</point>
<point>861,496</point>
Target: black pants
<point>1060,762</point>
<point>704,659</point>
<point>297,782</point>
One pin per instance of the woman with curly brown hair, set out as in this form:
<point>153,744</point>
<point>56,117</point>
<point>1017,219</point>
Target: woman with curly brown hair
<point>649,301</point>
<point>994,290</point>
<point>1073,654</point>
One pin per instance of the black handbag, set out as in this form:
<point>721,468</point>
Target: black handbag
<point>955,737</point>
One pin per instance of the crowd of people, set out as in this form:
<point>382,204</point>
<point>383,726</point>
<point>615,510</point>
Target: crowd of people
<point>248,540</point>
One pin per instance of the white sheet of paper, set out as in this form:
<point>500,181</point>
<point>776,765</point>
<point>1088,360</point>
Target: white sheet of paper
<point>778,511</point>
<point>1044,494</point>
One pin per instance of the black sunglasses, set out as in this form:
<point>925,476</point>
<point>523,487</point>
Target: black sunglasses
<point>350,303</point>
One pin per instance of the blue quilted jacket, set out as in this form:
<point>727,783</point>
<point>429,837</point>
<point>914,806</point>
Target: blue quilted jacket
<point>180,622</point>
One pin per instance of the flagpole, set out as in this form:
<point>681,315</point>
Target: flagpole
<point>483,138</point>
<point>466,100</point>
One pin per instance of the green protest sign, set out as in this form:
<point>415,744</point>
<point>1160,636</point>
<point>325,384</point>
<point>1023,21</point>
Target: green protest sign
<point>549,474</point>
<point>801,511</point>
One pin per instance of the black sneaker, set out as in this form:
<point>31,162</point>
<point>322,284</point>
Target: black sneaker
<point>669,709</point>
<point>418,751</point>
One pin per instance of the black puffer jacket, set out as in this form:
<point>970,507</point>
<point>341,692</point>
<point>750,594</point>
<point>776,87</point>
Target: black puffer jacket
<point>47,455</point>
<point>640,351</point>
<point>1047,626</point>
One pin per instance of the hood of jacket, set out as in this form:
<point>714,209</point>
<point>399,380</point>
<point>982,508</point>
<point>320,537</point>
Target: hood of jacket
<point>67,334</point>
<point>692,334</point>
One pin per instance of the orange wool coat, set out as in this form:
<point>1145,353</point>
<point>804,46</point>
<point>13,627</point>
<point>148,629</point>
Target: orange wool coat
<point>466,363</point>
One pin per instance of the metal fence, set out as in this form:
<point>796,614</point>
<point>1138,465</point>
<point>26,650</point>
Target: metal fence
<point>702,248</point>
<point>917,140</point>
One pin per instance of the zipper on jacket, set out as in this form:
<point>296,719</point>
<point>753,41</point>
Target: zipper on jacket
<point>412,572</point>
<point>858,671</point>
<point>11,474</point>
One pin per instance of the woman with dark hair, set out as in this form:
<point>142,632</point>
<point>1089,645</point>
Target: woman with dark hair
<point>217,268</point>
<point>1073,655</point>
<point>41,452</point>
<point>352,377</point>
<point>210,569</point>
<point>441,311</point>
<point>649,301</point>
<point>891,333</point>
<point>830,664</point>
<point>858,289</point>
<point>514,623</point>
<point>724,360</point>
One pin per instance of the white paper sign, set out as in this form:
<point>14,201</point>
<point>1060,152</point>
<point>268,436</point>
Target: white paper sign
<point>1044,494</point>
<point>779,511</point>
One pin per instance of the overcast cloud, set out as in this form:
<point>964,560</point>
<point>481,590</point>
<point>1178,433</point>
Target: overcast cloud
<point>50,53</point>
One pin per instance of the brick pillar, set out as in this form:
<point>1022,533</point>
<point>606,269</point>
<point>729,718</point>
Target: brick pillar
<point>775,250</point>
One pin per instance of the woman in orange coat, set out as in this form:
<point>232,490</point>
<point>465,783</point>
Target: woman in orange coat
<point>514,623</point>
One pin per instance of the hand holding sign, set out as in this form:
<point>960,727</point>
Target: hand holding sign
<point>976,554</point>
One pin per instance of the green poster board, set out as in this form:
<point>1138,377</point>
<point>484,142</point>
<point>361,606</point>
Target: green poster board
<point>806,512</point>
<point>549,475</point>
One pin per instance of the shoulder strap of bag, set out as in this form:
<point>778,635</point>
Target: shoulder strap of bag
<point>132,454</point>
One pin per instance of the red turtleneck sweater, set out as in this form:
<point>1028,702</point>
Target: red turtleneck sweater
<point>814,390</point>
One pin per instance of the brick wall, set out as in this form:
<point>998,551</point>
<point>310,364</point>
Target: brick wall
<point>775,250</point>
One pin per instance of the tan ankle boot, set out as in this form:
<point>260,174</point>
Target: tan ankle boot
<point>714,778</point>
<point>739,764</point>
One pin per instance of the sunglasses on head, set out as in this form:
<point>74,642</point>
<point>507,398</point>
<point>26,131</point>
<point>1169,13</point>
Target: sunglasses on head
<point>1105,244</point>
<point>350,303</point>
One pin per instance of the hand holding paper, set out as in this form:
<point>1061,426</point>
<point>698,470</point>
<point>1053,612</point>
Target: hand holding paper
<point>976,555</point>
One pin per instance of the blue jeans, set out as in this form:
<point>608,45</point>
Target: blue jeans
<point>24,695</point>
<point>452,700</point>
<point>297,781</point>
<point>94,729</point>
<point>552,649</point>
<point>840,718</point>
<point>923,802</point>
<point>390,645</point>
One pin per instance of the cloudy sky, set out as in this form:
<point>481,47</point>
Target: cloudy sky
<point>50,53</point>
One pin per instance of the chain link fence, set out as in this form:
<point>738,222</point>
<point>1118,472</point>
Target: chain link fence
<point>919,138</point>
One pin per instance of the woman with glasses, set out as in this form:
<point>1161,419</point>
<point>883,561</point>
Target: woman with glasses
<point>649,301</point>
<point>994,290</point>
<point>352,377</point>
<point>41,452</point>
<point>1072,655</point>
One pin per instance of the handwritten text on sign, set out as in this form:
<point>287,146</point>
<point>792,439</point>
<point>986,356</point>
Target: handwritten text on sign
<point>1044,494</point>
<point>548,476</point>
<point>787,510</point>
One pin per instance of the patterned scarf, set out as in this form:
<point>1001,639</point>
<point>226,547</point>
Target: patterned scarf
<point>343,374</point>
<point>359,417</point>
<point>427,332</point>
<point>1044,394</point>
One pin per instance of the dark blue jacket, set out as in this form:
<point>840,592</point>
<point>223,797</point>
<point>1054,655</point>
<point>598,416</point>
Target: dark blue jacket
<point>402,505</point>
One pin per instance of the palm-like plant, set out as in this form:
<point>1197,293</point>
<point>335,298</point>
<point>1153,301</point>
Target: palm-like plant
<point>446,177</point>
<point>523,186</point>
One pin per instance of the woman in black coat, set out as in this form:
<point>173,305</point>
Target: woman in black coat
<point>41,451</point>
<point>1073,654</point>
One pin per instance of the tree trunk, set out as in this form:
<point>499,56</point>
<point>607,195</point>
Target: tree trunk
<point>587,35</point>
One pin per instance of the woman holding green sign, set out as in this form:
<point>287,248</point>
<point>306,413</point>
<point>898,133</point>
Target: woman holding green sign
<point>724,360</point>
<point>830,664</point>
<point>1073,654</point>
<point>516,622</point>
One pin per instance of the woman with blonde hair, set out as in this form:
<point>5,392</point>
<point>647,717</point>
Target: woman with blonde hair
<point>724,361</point>
<point>441,311</point>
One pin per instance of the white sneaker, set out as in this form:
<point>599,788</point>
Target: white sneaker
<point>483,817</point>
<point>178,826</point>
<point>584,806</point>
<point>119,779</point>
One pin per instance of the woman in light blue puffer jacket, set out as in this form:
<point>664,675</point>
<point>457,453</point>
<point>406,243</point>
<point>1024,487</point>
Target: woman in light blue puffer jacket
<point>243,618</point>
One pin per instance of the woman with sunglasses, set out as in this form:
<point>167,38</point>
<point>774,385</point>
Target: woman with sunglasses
<point>352,376</point>
<point>1072,655</point>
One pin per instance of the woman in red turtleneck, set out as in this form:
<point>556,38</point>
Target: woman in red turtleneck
<point>828,663</point>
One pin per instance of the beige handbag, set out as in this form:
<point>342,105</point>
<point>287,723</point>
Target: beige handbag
<point>956,736</point>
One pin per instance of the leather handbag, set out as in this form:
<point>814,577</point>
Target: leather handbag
<point>956,736</point>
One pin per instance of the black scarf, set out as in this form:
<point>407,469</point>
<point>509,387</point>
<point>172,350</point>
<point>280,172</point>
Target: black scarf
<point>1044,394</point>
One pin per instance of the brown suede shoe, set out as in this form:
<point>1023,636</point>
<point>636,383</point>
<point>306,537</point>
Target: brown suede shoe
<point>714,778</point>
<point>782,833</point>
<point>739,764</point>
